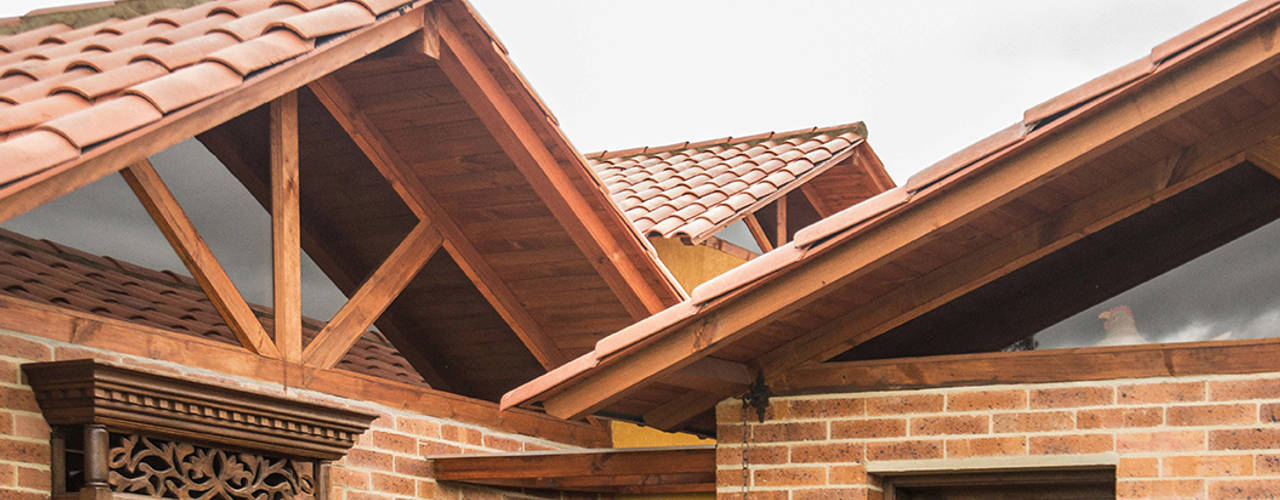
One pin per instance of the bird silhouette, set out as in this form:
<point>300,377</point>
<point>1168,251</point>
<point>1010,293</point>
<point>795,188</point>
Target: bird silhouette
<point>1120,327</point>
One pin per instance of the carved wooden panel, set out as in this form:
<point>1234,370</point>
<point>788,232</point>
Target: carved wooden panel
<point>173,469</point>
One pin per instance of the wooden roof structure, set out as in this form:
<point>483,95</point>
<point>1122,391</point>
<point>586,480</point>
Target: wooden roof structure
<point>1080,193</point>
<point>376,132</point>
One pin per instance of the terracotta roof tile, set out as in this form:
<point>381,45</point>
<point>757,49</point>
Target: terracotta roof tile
<point>266,50</point>
<point>33,113</point>
<point>102,121</point>
<point>49,273</point>
<point>114,80</point>
<point>187,85</point>
<point>14,43</point>
<point>190,51</point>
<point>694,189</point>
<point>31,152</point>
<point>254,24</point>
<point>343,17</point>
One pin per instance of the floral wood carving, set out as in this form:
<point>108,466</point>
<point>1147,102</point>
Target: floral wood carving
<point>171,469</point>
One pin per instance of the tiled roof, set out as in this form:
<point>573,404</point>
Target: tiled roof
<point>65,89</point>
<point>46,272</point>
<point>693,189</point>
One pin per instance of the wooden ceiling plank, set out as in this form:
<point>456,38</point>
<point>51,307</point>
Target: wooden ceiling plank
<point>199,259</point>
<point>518,138</point>
<point>21,196</point>
<point>337,100</point>
<point>374,296</point>
<point>1107,127</point>
<point>286,243</point>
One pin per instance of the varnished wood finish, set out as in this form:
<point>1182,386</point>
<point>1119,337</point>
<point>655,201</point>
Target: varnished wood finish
<point>90,330</point>
<point>676,469</point>
<point>195,254</point>
<point>757,232</point>
<point>91,392</point>
<point>780,218</point>
<point>373,297</point>
<point>286,249</point>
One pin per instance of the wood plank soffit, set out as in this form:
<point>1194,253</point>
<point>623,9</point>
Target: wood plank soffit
<point>366,135</point>
<point>1037,162</point>
<point>286,245</point>
<point>195,254</point>
<point>374,296</point>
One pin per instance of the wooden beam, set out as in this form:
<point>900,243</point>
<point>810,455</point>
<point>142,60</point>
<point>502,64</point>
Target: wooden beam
<point>286,250</point>
<point>358,314</point>
<point>1033,367</point>
<point>516,134</point>
<point>103,159</point>
<point>1266,156</point>
<point>781,232</point>
<point>339,103</point>
<point>757,232</point>
<point>674,469</point>
<point>224,146</point>
<point>64,325</point>
<point>195,254</point>
<point>1034,164</point>
<point>712,374</point>
<point>815,201</point>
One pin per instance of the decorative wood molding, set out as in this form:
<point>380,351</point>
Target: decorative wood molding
<point>90,392</point>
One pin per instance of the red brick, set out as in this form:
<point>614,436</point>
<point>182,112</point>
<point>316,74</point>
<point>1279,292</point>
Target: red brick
<point>428,448</point>
<point>426,489</point>
<point>349,478</point>
<point>418,427</point>
<point>1216,465</point>
<point>399,443</point>
<point>910,403</point>
<point>35,479</point>
<point>873,428</point>
<point>1168,392</point>
<point>729,433</point>
<point>1160,441</point>
<point>904,450</point>
<point>1070,397</point>
<point>398,485</point>
<point>1110,418</point>
<point>827,408</point>
<point>369,459</point>
<point>1244,488</point>
<point>1032,421</point>
<point>1269,413</point>
<point>8,475</point>
<point>847,474</point>
<point>795,431</point>
<point>826,452</point>
<point>950,424</point>
<point>1229,414</point>
<point>413,466</point>
<point>15,347</point>
<point>9,372</point>
<point>6,423</point>
<point>1231,390</point>
<point>1073,444</point>
<point>6,494</point>
<point>755,455</point>
<point>14,398</point>
<point>1266,465</point>
<point>1244,439</point>
<point>791,476</point>
<point>24,451</point>
<point>1138,467</point>
<point>501,443</point>
<point>986,447</point>
<point>62,353</point>
<point>30,426</point>
<point>1163,489</point>
<point>365,495</point>
<point>752,495</point>
<point>987,400</point>
<point>847,493</point>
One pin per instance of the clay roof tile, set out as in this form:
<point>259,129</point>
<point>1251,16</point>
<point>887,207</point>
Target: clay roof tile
<point>266,50</point>
<point>187,85</point>
<point>104,120</point>
<point>114,80</point>
<point>254,24</point>
<point>27,39</point>
<point>32,152</point>
<point>35,112</point>
<point>329,20</point>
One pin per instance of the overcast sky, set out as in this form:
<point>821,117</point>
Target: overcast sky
<point>928,78</point>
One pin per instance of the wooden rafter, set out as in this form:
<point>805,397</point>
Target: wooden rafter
<point>314,241</point>
<point>815,201</point>
<point>286,252</point>
<point>757,232</point>
<point>1266,156</point>
<point>195,254</point>
<point>781,232</point>
<point>674,469</point>
<point>377,292</point>
<point>357,125</point>
<point>510,127</point>
<point>23,195</point>
<point>1038,162</point>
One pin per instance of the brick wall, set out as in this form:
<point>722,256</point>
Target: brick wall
<point>1190,437</point>
<point>387,462</point>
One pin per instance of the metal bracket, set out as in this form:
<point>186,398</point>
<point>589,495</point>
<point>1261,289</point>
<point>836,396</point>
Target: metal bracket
<point>757,396</point>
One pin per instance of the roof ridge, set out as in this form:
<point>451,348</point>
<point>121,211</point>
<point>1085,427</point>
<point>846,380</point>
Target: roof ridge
<point>858,127</point>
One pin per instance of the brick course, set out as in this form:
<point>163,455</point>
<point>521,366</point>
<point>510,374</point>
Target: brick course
<point>1187,437</point>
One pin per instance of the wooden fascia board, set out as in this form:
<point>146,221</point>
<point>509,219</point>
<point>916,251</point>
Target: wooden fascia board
<point>1033,164</point>
<point>121,337</point>
<point>97,162</point>
<point>599,470</point>
<point>522,143</point>
<point>191,249</point>
<point>1033,367</point>
<point>374,296</point>
<point>338,102</point>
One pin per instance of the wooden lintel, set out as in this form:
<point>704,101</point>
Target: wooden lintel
<point>358,314</point>
<point>1033,367</point>
<point>389,163</point>
<point>1036,163</point>
<point>195,254</point>
<point>757,232</point>
<point>674,469</point>
<point>103,159</point>
<point>286,250</point>
<point>511,127</point>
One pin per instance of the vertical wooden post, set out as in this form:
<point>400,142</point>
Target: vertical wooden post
<point>58,461</point>
<point>781,234</point>
<point>285,236</point>
<point>96,448</point>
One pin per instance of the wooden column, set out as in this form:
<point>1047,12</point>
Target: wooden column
<point>285,236</point>
<point>96,447</point>
<point>781,233</point>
